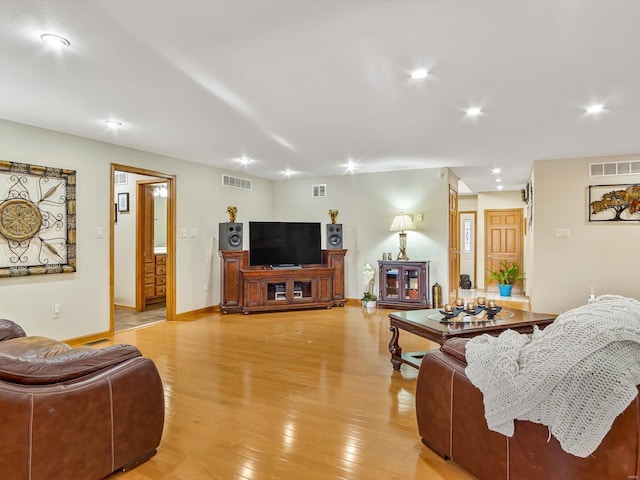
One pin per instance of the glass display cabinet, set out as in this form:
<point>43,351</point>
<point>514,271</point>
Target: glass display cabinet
<point>403,284</point>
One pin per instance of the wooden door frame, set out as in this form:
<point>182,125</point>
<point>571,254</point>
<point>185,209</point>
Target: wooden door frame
<point>454,250</point>
<point>141,200</point>
<point>171,238</point>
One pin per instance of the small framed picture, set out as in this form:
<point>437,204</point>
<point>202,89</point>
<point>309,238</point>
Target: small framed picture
<point>123,202</point>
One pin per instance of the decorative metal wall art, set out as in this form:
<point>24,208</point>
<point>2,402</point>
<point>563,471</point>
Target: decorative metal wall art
<point>614,203</point>
<point>37,220</point>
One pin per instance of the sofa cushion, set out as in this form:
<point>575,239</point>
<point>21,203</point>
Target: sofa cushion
<point>68,365</point>
<point>456,347</point>
<point>32,347</point>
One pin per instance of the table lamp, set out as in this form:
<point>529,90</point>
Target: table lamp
<point>401,223</point>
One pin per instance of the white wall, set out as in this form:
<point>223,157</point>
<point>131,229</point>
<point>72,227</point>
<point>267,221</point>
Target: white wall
<point>468,203</point>
<point>367,204</point>
<point>602,255</point>
<point>84,295</point>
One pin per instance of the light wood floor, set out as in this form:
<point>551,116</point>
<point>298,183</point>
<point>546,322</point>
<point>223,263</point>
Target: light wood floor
<point>295,395</point>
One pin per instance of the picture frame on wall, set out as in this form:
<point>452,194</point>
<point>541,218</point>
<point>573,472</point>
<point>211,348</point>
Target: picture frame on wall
<point>123,202</point>
<point>614,203</point>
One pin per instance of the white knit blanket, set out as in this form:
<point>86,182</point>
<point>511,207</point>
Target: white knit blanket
<point>575,376</point>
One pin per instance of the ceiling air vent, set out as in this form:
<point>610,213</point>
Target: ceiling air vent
<point>319,191</point>
<point>614,168</point>
<point>120,178</point>
<point>236,182</point>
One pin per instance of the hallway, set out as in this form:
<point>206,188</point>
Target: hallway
<point>125,318</point>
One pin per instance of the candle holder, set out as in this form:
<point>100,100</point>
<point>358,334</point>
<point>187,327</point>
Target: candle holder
<point>492,311</point>
<point>450,313</point>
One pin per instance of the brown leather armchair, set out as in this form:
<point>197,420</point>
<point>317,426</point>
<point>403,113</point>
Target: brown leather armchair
<point>451,422</point>
<point>75,413</point>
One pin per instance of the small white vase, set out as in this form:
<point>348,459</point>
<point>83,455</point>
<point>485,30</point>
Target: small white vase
<point>371,304</point>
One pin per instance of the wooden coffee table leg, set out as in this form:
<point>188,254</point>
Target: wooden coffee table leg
<point>394,348</point>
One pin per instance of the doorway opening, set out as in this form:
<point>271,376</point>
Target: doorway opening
<point>142,250</point>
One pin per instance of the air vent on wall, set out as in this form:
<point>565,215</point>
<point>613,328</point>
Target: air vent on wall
<point>614,168</point>
<point>120,178</point>
<point>236,182</point>
<point>319,191</point>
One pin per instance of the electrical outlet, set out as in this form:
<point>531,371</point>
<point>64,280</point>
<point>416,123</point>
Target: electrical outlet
<point>562,233</point>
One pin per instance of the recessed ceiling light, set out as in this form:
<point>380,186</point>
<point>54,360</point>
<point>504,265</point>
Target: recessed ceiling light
<point>113,123</point>
<point>498,180</point>
<point>595,108</point>
<point>351,165</point>
<point>495,171</point>
<point>244,160</point>
<point>55,41</point>
<point>500,187</point>
<point>474,112</point>
<point>288,172</point>
<point>419,73</point>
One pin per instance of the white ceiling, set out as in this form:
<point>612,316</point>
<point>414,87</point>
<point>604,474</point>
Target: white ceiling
<point>308,85</point>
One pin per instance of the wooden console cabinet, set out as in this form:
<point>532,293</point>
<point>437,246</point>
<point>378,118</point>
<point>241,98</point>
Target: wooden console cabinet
<point>267,289</point>
<point>155,279</point>
<point>254,289</point>
<point>403,284</point>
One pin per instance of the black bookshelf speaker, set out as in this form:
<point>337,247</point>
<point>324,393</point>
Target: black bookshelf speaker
<point>334,236</point>
<point>230,236</point>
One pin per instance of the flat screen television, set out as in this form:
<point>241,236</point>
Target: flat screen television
<point>284,243</point>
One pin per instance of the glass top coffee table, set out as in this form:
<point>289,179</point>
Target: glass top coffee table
<point>428,324</point>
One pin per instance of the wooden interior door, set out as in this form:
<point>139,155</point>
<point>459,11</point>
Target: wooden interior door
<point>503,243</point>
<point>454,245</point>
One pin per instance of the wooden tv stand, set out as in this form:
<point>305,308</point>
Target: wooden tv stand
<point>249,289</point>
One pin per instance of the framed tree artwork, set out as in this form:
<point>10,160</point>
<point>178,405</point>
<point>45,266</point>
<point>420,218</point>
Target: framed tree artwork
<point>37,220</point>
<point>614,203</point>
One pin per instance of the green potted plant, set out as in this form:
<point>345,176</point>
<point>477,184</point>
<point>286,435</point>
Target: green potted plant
<point>368,298</point>
<point>506,276</point>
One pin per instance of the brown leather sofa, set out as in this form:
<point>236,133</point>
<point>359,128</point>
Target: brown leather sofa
<point>74,413</point>
<point>451,422</point>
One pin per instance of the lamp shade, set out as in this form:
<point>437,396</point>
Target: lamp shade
<point>401,223</point>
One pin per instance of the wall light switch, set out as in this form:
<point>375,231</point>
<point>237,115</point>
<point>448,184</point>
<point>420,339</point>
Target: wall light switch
<point>183,233</point>
<point>99,232</point>
<point>418,217</point>
<point>194,232</point>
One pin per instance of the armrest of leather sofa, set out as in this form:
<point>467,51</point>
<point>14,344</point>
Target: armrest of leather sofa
<point>456,347</point>
<point>9,329</point>
<point>69,365</point>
